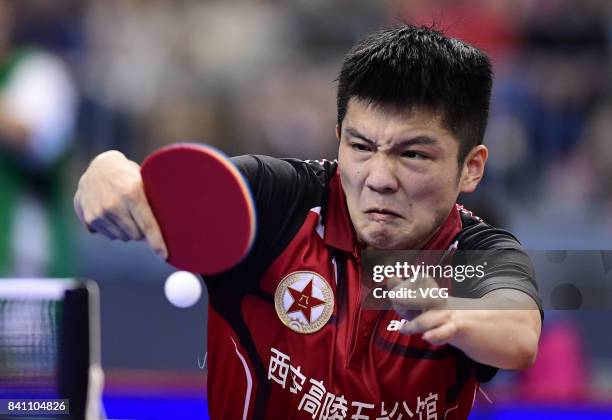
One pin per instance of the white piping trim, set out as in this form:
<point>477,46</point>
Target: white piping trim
<point>335,270</point>
<point>203,365</point>
<point>484,394</point>
<point>320,228</point>
<point>247,396</point>
<point>449,410</point>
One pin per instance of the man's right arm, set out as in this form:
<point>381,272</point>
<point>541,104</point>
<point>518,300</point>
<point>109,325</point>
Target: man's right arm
<point>110,200</point>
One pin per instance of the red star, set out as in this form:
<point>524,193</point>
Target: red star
<point>304,301</point>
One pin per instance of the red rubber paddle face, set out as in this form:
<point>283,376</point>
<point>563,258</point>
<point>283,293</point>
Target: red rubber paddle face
<point>203,207</point>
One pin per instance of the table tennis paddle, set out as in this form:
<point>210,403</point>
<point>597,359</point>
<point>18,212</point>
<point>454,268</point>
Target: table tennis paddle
<point>203,206</point>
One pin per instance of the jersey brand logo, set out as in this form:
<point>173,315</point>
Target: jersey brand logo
<point>396,324</point>
<point>304,301</point>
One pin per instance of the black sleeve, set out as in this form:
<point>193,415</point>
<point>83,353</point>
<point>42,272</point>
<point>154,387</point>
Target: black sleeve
<point>507,267</point>
<point>283,190</point>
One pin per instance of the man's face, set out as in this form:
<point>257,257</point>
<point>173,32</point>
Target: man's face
<point>399,172</point>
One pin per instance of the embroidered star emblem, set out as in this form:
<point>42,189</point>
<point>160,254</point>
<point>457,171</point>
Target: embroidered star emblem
<point>304,301</point>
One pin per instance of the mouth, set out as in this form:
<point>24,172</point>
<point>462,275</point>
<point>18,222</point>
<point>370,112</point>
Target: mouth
<point>381,213</point>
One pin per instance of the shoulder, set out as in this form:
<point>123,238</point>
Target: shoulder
<point>284,192</point>
<point>262,164</point>
<point>265,172</point>
<point>508,265</point>
<point>476,234</point>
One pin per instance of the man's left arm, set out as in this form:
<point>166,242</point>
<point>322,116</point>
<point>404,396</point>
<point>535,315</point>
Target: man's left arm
<point>500,329</point>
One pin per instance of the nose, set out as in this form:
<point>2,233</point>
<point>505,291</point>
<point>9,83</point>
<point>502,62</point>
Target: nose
<point>381,177</point>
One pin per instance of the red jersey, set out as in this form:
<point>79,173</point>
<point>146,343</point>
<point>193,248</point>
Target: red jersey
<point>287,336</point>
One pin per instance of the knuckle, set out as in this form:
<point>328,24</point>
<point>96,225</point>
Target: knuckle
<point>90,217</point>
<point>108,155</point>
<point>112,206</point>
<point>108,213</point>
<point>133,191</point>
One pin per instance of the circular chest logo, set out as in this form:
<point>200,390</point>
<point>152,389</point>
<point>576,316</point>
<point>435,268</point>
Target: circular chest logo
<point>304,301</point>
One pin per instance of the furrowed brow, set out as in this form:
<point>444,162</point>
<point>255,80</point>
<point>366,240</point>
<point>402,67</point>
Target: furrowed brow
<point>418,141</point>
<point>355,133</point>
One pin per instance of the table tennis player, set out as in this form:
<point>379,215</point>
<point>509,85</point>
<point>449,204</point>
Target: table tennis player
<point>412,107</point>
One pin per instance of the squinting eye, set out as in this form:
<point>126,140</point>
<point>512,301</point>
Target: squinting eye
<point>360,147</point>
<point>414,155</point>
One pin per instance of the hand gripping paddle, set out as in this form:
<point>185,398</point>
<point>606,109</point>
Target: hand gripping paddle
<point>203,206</point>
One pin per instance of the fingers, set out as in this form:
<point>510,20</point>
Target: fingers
<point>441,335</point>
<point>413,298</point>
<point>107,229</point>
<point>126,225</point>
<point>424,322</point>
<point>393,282</point>
<point>145,220</point>
<point>104,223</point>
<point>110,200</point>
<point>78,209</point>
<point>437,326</point>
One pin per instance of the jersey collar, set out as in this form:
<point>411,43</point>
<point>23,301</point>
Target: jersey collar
<point>339,232</point>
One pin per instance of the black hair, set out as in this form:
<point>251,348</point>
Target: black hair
<point>405,66</point>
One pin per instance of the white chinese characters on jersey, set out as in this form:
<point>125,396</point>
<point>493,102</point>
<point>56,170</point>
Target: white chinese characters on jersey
<point>427,406</point>
<point>297,379</point>
<point>278,367</point>
<point>311,401</point>
<point>322,404</point>
<point>334,407</point>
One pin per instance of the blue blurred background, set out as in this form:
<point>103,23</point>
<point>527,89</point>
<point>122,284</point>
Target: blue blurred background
<point>78,77</point>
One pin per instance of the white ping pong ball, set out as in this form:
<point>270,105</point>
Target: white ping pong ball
<point>182,289</point>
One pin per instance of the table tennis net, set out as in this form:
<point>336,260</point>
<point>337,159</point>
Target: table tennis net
<point>50,342</point>
<point>30,338</point>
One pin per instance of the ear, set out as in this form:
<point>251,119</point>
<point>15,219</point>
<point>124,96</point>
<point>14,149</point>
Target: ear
<point>473,168</point>
<point>338,132</point>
